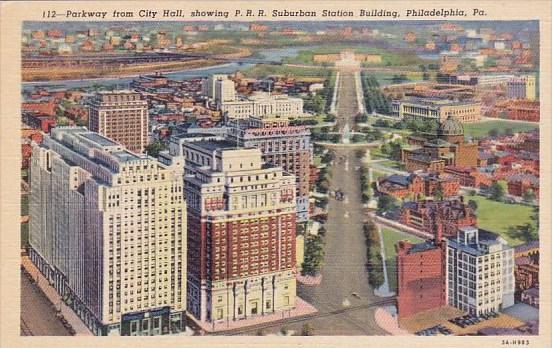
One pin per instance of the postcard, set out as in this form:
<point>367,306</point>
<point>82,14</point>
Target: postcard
<point>276,173</point>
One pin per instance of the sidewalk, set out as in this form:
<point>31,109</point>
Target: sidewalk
<point>309,280</point>
<point>386,318</point>
<point>302,308</point>
<point>77,324</point>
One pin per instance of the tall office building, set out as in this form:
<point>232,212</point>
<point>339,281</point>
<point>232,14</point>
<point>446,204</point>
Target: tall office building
<point>108,229</point>
<point>121,116</point>
<point>282,145</point>
<point>241,233</point>
<point>224,91</point>
<point>480,271</point>
<point>208,85</point>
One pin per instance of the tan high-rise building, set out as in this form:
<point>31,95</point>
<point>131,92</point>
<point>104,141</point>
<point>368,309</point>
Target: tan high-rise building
<point>241,233</point>
<point>108,229</point>
<point>121,116</point>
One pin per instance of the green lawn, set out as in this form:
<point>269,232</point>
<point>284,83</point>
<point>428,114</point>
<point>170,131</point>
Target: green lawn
<point>497,216</point>
<point>481,129</point>
<point>317,160</point>
<point>390,238</point>
<point>376,175</point>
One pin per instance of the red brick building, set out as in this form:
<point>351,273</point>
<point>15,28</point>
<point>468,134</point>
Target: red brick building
<point>47,108</point>
<point>39,121</point>
<point>241,233</point>
<point>446,148</point>
<point>402,186</point>
<point>469,176</point>
<point>415,185</point>
<point>421,276</point>
<point>451,213</point>
<point>518,184</point>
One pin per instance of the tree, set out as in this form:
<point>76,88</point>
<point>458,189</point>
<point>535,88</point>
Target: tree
<point>386,204</point>
<point>497,191</point>
<point>307,330</point>
<point>493,132</point>
<point>438,194</point>
<point>472,204</point>
<point>155,147</point>
<point>529,196</point>
<point>526,232</point>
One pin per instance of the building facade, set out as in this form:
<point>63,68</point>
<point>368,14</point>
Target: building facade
<point>108,230</point>
<point>421,276</point>
<point>241,233</point>
<point>436,152</point>
<point>262,104</point>
<point>121,116</point>
<point>523,87</point>
<point>415,186</point>
<point>283,146</point>
<point>440,109</point>
<point>452,214</point>
<point>480,272</point>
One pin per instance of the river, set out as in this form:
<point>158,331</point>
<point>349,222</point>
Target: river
<point>273,54</point>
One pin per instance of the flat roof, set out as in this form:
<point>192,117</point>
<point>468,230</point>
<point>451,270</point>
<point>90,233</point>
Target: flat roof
<point>99,139</point>
<point>212,145</point>
<point>125,156</point>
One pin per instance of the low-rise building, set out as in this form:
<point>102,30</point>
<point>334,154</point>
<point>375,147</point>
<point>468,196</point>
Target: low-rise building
<point>262,104</point>
<point>452,214</point>
<point>440,109</point>
<point>417,185</point>
<point>446,148</point>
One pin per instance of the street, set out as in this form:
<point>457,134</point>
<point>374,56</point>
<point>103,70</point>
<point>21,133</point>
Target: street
<point>344,276</point>
<point>38,318</point>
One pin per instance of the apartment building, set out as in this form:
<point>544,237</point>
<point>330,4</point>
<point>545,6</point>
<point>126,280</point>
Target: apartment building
<point>241,233</point>
<point>480,271</point>
<point>121,116</point>
<point>108,230</point>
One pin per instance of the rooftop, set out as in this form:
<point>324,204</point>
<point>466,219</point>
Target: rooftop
<point>421,247</point>
<point>436,101</point>
<point>213,145</point>
<point>99,139</point>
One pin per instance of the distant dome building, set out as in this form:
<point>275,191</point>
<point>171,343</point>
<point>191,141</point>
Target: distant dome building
<point>444,148</point>
<point>451,130</point>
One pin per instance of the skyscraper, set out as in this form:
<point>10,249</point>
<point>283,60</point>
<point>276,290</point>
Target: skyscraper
<point>241,233</point>
<point>282,145</point>
<point>108,229</point>
<point>121,116</point>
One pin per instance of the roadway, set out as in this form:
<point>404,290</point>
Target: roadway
<point>38,318</point>
<point>344,277</point>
